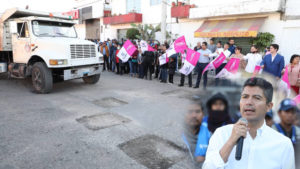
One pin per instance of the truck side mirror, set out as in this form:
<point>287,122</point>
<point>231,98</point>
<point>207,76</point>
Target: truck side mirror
<point>13,27</point>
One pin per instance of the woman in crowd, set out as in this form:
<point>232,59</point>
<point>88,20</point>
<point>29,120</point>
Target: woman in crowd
<point>294,73</point>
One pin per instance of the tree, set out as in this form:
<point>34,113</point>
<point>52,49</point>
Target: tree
<point>147,32</point>
<point>132,33</point>
<point>263,40</point>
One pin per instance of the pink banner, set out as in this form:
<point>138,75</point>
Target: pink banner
<point>256,70</point>
<point>297,99</point>
<point>126,51</point>
<point>192,56</point>
<point>215,63</point>
<point>150,48</point>
<point>129,47</point>
<point>180,44</point>
<point>285,77</point>
<point>230,69</point>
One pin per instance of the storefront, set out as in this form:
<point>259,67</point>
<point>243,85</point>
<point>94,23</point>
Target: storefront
<point>241,30</point>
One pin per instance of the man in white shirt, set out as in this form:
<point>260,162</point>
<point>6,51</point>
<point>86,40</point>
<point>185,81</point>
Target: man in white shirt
<point>253,58</point>
<point>203,62</point>
<point>263,148</point>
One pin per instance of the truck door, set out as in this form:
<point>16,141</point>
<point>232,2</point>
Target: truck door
<point>21,43</point>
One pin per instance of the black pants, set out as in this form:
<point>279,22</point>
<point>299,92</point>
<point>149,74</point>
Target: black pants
<point>147,68</point>
<point>157,71</point>
<point>105,63</point>
<point>217,71</point>
<point>200,70</point>
<point>171,78</point>
<point>118,68</point>
<point>182,78</point>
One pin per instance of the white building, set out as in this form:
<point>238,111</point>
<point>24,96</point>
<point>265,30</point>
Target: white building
<point>200,20</point>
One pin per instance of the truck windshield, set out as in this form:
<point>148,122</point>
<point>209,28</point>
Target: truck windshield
<point>53,29</point>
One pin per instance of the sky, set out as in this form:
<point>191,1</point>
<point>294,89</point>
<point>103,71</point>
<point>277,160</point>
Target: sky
<point>39,5</point>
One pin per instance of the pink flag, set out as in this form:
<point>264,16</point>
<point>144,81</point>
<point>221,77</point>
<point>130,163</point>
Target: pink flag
<point>190,62</point>
<point>215,63</point>
<point>230,69</point>
<point>297,99</point>
<point>163,59</point>
<point>145,46</point>
<point>177,46</point>
<point>126,51</point>
<point>285,77</point>
<point>256,70</point>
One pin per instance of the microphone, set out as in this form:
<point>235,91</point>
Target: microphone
<point>239,145</point>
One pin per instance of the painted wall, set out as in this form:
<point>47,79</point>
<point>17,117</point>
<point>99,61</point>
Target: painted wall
<point>232,7</point>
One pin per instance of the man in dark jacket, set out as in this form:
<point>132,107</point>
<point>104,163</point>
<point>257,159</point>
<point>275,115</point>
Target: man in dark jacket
<point>172,68</point>
<point>218,112</point>
<point>148,60</point>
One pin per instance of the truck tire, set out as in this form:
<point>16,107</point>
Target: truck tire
<point>91,79</point>
<point>42,79</point>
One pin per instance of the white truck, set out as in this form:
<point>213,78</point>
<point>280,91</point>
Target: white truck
<point>45,47</point>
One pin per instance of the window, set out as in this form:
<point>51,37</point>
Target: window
<point>23,30</point>
<point>133,6</point>
<point>155,2</point>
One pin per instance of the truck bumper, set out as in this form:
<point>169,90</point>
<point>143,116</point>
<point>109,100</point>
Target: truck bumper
<point>79,72</point>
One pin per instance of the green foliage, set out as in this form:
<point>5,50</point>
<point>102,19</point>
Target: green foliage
<point>263,40</point>
<point>132,33</point>
<point>146,31</point>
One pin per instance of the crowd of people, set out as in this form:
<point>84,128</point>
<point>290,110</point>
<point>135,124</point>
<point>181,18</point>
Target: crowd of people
<point>200,125</point>
<point>145,64</point>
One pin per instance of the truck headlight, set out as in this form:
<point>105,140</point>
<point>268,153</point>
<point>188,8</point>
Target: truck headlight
<point>58,61</point>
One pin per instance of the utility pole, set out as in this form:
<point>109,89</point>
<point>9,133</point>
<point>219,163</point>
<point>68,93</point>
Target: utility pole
<point>163,20</point>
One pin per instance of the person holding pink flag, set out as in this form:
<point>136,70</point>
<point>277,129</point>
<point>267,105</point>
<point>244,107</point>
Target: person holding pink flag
<point>189,63</point>
<point>253,59</point>
<point>230,69</point>
<point>145,46</point>
<point>203,62</point>
<point>126,51</point>
<point>177,46</point>
<point>227,54</point>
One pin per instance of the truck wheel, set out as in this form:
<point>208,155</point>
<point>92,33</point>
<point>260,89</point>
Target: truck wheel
<point>91,79</point>
<point>42,79</point>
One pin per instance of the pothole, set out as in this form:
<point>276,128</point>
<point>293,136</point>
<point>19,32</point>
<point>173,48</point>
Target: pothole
<point>101,121</point>
<point>153,152</point>
<point>109,102</point>
<point>178,93</point>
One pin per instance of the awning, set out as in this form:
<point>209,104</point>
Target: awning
<point>230,28</point>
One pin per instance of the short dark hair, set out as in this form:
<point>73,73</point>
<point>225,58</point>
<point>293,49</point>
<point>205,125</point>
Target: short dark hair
<point>227,43</point>
<point>220,42</point>
<point>197,101</point>
<point>275,46</point>
<point>239,48</point>
<point>293,57</point>
<point>204,43</point>
<point>266,86</point>
<point>230,39</point>
<point>212,39</point>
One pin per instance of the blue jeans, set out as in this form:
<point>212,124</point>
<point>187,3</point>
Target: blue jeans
<point>200,70</point>
<point>141,71</point>
<point>164,74</point>
<point>130,66</point>
<point>134,67</point>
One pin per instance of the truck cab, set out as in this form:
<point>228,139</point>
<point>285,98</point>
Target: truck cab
<point>46,47</point>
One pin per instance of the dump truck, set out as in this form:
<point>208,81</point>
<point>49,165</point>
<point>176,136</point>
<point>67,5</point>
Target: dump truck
<point>45,47</point>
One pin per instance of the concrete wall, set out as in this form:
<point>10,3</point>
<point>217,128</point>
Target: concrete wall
<point>292,9</point>
<point>214,8</point>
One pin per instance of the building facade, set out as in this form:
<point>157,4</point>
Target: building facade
<point>200,20</point>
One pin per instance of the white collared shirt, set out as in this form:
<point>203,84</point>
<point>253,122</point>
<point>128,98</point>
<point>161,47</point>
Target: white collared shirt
<point>220,50</point>
<point>269,150</point>
<point>254,59</point>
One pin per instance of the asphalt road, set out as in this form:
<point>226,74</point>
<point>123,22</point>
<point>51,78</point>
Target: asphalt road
<point>121,122</point>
